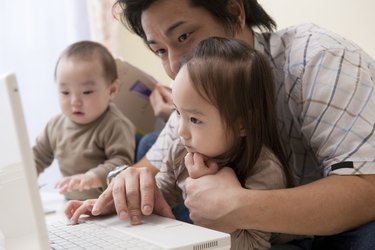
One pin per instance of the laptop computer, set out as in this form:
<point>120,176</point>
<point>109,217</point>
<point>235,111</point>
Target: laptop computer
<point>22,221</point>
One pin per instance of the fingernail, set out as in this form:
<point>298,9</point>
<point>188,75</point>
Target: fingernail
<point>94,210</point>
<point>135,220</point>
<point>147,209</point>
<point>123,215</point>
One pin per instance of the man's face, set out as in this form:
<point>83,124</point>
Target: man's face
<point>174,28</point>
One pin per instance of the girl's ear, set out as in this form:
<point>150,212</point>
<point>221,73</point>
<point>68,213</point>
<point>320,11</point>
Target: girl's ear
<point>242,128</point>
<point>114,89</point>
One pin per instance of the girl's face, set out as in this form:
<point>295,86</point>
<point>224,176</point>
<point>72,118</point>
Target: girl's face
<point>199,123</point>
<point>84,93</point>
<point>174,34</point>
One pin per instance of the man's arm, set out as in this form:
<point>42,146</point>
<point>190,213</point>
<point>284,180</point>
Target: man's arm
<point>328,206</point>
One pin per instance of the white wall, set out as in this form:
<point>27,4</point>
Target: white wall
<point>32,36</point>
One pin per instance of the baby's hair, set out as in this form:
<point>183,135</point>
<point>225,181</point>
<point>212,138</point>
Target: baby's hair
<point>87,50</point>
<point>238,81</point>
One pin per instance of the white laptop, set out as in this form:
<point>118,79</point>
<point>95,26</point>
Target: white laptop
<point>22,220</point>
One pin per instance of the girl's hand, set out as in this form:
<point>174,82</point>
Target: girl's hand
<point>199,165</point>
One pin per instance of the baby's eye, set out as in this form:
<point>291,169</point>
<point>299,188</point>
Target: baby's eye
<point>177,112</point>
<point>195,120</point>
<point>88,92</point>
<point>183,37</point>
<point>64,92</point>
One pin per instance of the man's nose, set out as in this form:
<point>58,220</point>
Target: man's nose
<point>174,64</point>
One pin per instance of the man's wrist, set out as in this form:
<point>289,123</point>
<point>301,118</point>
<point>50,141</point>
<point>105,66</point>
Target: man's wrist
<point>112,174</point>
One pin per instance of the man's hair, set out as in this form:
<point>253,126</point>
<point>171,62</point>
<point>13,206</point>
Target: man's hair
<point>238,81</point>
<point>87,50</point>
<point>256,16</point>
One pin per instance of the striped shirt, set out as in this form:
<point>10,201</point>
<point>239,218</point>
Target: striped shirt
<point>325,103</point>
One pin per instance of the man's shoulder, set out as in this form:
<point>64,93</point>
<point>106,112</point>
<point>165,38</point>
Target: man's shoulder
<point>313,39</point>
<point>293,48</point>
<point>301,30</point>
<point>307,36</point>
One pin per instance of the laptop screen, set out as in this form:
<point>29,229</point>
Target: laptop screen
<point>21,217</point>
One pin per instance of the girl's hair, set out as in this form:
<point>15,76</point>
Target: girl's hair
<point>87,50</point>
<point>256,16</point>
<point>238,81</point>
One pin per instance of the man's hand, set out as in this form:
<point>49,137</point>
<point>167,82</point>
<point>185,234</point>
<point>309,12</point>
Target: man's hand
<point>215,190</point>
<point>79,182</point>
<point>161,101</point>
<point>199,165</point>
<point>134,193</point>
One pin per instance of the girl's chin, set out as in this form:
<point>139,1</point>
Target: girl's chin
<point>190,150</point>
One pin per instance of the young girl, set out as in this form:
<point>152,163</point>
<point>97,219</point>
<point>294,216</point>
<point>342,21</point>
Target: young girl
<point>223,125</point>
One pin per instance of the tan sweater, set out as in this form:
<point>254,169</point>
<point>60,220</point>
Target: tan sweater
<point>99,147</point>
<point>267,174</point>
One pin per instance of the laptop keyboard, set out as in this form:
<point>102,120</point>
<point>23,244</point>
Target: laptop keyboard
<point>92,236</point>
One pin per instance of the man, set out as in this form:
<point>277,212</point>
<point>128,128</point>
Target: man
<point>326,108</point>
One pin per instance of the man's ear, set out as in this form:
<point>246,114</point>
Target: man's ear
<point>114,89</point>
<point>236,7</point>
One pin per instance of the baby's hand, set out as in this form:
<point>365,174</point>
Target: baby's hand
<point>74,209</point>
<point>199,165</point>
<point>79,182</point>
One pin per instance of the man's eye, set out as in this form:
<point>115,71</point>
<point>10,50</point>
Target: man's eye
<point>183,37</point>
<point>160,52</point>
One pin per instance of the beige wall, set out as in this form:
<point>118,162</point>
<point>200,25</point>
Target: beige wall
<point>354,19</point>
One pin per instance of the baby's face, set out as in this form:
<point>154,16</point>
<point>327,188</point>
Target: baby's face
<point>84,93</point>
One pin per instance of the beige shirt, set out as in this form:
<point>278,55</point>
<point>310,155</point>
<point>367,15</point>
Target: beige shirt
<point>267,174</point>
<point>99,146</point>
